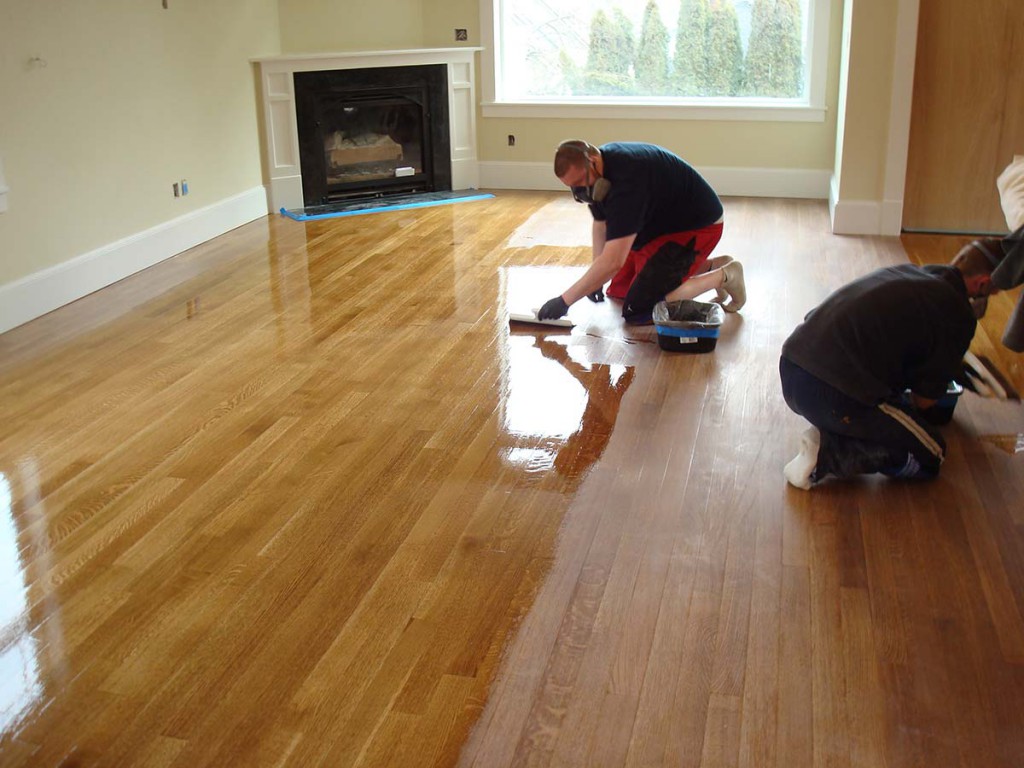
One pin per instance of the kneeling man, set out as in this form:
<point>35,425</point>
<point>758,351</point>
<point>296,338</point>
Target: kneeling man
<point>655,223</point>
<point>848,366</point>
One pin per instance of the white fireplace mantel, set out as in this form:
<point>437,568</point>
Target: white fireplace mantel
<point>281,137</point>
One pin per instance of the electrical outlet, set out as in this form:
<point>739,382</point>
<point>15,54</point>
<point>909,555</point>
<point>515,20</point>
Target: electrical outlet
<point>177,189</point>
<point>461,35</point>
<point>511,139</point>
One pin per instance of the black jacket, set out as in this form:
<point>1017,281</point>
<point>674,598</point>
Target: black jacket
<point>898,328</point>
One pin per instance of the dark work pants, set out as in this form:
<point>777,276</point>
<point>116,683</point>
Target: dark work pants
<point>858,439</point>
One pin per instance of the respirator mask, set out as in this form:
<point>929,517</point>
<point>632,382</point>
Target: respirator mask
<point>596,192</point>
<point>592,194</point>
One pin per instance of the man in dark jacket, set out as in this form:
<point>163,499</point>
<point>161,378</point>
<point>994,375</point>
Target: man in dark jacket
<point>848,368</point>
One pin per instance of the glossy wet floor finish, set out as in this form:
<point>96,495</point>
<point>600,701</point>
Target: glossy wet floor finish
<point>301,496</point>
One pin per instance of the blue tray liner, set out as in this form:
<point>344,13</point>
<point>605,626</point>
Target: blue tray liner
<point>696,333</point>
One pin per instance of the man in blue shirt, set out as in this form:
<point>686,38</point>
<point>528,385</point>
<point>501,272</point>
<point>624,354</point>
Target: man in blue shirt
<point>656,222</point>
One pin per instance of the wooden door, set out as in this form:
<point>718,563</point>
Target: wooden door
<point>967,118</point>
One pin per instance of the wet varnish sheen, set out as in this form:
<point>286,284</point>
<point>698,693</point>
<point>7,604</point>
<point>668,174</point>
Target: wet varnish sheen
<point>300,496</point>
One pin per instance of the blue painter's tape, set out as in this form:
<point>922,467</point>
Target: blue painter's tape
<point>404,206</point>
<point>696,333</point>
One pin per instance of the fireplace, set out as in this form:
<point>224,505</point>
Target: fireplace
<point>372,94</point>
<point>372,132</point>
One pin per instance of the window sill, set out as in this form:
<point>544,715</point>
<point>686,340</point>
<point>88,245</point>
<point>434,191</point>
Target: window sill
<point>748,110</point>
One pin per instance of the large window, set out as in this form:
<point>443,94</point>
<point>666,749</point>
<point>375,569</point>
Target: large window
<point>687,55</point>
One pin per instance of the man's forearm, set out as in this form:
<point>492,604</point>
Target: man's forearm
<point>598,232</point>
<point>601,270</point>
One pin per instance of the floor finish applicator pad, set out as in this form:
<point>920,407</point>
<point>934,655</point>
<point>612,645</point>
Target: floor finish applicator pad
<point>531,317</point>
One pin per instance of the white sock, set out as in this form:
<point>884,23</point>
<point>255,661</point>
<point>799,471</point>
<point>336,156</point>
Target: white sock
<point>799,470</point>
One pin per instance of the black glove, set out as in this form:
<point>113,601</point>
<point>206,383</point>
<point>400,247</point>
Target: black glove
<point>597,296</point>
<point>553,309</point>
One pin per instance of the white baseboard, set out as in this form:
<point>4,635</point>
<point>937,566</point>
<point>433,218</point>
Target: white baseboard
<point>892,217</point>
<point>35,295</point>
<point>856,217</point>
<point>465,174</point>
<point>864,217</point>
<point>730,182</point>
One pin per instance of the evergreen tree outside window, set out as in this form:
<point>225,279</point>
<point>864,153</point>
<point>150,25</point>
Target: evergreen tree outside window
<point>654,51</point>
<point>609,56</point>
<point>723,54</point>
<point>774,59</point>
<point>690,70</point>
<point>652,62</point>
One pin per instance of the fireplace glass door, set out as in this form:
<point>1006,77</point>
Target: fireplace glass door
<point>372,142</point>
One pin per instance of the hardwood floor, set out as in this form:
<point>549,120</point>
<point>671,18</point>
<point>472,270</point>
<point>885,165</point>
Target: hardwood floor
<point>300,496</point>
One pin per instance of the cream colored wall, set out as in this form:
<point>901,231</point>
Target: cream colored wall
<point>726,144</point>
<point>844,75</point>
<point>442,17</point>
<point>309,26</point>
<point>125,98</point>
<point>869,43</point>
<point>352,25</point>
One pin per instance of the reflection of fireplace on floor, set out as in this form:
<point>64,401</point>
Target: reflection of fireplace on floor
<point>366,157</point>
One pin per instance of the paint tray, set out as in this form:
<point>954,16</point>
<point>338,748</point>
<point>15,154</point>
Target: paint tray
<point>687,326</point>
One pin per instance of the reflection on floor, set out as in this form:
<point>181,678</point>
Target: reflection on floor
<point>559,410</point>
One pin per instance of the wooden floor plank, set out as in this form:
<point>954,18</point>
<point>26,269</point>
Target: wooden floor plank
<point>795,740</point>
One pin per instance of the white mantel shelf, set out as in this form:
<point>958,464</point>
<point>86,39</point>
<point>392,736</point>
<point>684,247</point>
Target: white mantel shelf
<point>436,55</point>
<point>281,141</point>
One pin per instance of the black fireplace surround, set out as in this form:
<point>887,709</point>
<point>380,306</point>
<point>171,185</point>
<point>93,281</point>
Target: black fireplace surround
<point>367,133</point>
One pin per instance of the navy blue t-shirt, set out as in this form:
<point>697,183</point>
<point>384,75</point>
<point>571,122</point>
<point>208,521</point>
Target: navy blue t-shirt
<point>653,193</point>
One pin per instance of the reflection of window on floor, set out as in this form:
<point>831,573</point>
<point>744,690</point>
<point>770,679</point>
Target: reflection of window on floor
<point>663,49</point>
<point>560,408</point>
<point>18,664</point>
<point>543,399</point>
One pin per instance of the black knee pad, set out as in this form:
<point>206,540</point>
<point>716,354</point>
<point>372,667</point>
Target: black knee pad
<point>663,273</point>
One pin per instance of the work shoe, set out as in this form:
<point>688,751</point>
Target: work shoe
<point>800,471</point>
<point>732,283</point>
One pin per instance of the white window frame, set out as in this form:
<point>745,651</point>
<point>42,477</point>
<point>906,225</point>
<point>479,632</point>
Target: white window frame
<point>811,110</point>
